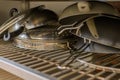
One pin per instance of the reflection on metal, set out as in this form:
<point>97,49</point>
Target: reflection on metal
<point>14,28</point>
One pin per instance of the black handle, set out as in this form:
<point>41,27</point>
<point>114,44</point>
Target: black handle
<point>13,12</point>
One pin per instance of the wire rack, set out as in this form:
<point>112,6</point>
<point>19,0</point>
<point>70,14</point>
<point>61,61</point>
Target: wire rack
<point>88,66</point>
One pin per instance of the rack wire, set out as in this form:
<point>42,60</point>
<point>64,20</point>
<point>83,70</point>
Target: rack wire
<point>89,66</point>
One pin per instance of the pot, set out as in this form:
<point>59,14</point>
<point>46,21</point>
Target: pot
<point>29,19</point>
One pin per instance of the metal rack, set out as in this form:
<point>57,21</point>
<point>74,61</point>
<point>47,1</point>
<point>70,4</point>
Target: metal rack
<point>87,67</point>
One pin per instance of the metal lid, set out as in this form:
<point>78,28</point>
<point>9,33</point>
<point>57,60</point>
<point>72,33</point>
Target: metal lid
<point>42,38</point>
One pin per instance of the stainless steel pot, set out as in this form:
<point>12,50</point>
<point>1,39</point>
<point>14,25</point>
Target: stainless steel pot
<point>32,18</point>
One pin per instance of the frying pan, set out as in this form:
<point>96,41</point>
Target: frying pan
<point>85,9</point>
<point>100,24</point>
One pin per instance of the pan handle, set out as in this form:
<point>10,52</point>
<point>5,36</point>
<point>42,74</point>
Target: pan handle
<point>13,12</point>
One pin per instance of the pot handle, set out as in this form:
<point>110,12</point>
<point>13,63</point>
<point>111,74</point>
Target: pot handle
<point>12,13</point>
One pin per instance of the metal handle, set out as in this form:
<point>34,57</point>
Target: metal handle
<point>12,13</point>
